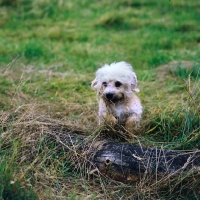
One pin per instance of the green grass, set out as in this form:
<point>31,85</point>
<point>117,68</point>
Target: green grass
<point>155,33</point>
<point>49,52</point>
<point>183,72</point>
<point>10,186</point>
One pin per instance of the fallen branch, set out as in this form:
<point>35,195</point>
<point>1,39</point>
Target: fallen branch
<point>127,163</point>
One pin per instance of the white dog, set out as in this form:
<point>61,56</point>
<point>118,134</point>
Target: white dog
<point>116,84</point>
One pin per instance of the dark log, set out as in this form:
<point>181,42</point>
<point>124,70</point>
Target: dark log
<point>126,163</point>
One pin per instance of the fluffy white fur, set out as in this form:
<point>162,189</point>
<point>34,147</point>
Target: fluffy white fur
<point>115,85</point>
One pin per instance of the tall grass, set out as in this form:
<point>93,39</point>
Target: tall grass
<point>38,161</point>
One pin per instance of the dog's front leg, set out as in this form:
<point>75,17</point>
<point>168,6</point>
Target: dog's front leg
<point>104,116</point>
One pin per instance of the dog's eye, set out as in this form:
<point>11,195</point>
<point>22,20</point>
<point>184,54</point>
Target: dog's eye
<point>105,84</point>
<point>118,84</point>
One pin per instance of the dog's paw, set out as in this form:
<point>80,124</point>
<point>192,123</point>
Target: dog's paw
<point>112,120</point>
<point>108,120</point>
<point>132,124</point>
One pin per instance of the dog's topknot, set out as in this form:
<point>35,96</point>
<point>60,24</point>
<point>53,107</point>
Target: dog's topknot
<point>118,71</point>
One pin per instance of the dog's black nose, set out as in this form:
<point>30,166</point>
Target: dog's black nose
<point>109,96</point>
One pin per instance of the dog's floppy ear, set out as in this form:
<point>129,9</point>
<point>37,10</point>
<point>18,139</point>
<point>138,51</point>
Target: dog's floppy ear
<point>134,83</point>
<point>94,84</point>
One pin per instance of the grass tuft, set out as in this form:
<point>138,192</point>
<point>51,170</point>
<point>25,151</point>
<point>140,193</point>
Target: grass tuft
<point>33,50</point>
<point>114,21</point>
<point>10,187</point>
<point>184,71</point>
<point>9,2</point>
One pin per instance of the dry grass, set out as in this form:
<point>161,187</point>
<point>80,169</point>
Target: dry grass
<point>56,170</point>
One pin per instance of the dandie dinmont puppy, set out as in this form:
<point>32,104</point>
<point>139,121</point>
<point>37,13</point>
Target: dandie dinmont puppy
<point>116,85</point>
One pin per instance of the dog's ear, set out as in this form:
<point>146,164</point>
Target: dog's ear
<point>94,84</point>
<point>134,83</point>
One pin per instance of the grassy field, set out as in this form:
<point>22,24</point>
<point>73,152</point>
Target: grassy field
<point>49,52</point>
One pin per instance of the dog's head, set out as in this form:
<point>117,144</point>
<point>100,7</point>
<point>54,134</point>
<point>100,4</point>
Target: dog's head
<point>115,82</point>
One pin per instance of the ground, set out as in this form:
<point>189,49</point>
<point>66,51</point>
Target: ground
<point>49,52</point>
